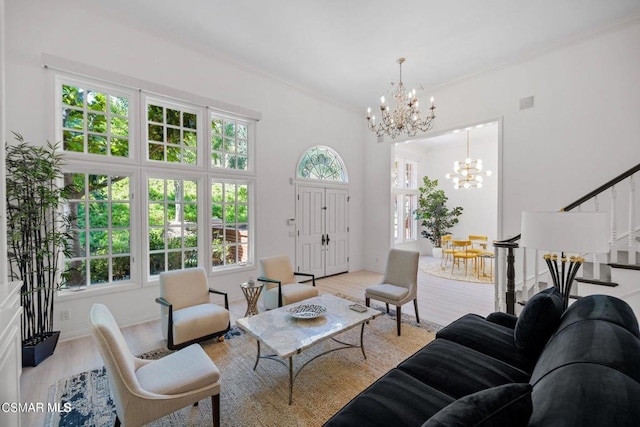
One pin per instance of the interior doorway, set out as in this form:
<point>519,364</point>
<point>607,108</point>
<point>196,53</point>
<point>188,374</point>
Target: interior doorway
<point>435,157</point>
<point>322,237</point>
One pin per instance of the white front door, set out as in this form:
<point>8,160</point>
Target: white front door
<point>322,230</point>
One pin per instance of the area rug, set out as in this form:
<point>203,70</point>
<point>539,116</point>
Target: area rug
<point>436,269</point>
<point>260,398</point>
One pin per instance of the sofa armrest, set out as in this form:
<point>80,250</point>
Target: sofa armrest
<point>503,319</point>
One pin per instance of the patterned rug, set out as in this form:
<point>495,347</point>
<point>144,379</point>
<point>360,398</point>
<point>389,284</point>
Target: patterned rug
<point>435,268</point>
<point>260,398</point>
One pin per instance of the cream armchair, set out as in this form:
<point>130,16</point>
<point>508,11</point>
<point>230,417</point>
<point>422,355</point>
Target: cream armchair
<point>399,284</point>
<point>281,287</point>
<point>188,316</point>
<point>145,390</point>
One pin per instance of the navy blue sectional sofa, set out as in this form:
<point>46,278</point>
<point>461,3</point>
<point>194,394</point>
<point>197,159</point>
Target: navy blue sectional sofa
<point>544,368</point>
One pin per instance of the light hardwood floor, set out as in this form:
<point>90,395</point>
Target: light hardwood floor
<point>439,301</point>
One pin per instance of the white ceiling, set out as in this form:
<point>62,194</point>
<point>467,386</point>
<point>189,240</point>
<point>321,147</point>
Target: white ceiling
<point>347,49</point>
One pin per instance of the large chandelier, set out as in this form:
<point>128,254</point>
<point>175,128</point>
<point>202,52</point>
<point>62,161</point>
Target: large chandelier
<point>468,173</point>
<point>405,117</point>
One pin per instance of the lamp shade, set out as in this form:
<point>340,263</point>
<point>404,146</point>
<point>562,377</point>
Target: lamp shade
<point>573,232</point>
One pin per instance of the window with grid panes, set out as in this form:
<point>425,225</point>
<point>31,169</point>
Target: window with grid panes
<point>101,231</point>
<point>405,191</point>
<point>229,143</point>
<point>94,121</point>
<point>96,126</point>
<point>173,224</point>
<point>230,233</point>
<point>172,133</point>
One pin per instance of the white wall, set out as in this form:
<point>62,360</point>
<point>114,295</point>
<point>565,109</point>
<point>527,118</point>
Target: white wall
<point>582,131</point>
<point>292,121</point>
<point>3,222</point>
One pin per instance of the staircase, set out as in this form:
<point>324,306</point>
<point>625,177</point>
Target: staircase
<point>616,273</point>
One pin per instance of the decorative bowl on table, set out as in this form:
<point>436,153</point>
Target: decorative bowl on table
<point>307,311</point>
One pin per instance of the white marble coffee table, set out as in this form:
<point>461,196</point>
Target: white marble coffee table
<point>288,336</point>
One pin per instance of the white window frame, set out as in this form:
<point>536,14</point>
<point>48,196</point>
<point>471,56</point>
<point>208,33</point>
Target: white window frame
<point>401,192</point>
<point>112,89</point>
<point>134,218</point>
<point>140,169</point>
<point>202,200</point>
<point>250,224</point>
<point>184,107</point>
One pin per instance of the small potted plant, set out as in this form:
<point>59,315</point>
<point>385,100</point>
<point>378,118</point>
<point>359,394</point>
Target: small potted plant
<point>436,217</point>
<point>38,234</point>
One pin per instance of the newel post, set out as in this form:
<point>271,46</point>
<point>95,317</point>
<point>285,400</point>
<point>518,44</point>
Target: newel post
<point>510,292</point>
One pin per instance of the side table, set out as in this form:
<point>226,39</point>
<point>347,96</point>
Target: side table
<point>251,291</point>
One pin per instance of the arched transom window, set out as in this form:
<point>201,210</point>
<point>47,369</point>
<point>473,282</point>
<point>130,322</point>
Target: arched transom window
<point>322,163</point>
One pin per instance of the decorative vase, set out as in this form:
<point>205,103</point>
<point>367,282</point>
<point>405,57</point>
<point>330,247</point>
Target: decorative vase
<point>436,252</point>
<point>32,355</point>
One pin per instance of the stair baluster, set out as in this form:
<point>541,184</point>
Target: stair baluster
<point>632,224</point>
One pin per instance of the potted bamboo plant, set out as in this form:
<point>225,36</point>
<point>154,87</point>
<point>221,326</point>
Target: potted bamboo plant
<point>436,217</point>
<point>38,235</point>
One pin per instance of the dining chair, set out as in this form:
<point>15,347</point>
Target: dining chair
<point>447,250</point>
<point>399,284</point>
<point>145,390</point>
<point>462,252</point>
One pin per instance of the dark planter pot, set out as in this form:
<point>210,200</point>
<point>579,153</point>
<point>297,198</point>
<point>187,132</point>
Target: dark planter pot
<point>32,355</point>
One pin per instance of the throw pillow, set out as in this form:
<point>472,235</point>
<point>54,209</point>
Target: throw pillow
<point>505,405</point>
<point>539,318</point>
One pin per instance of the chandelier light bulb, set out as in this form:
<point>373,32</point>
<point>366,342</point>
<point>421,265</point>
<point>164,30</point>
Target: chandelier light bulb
<point>456,180</point>
<point>488,173</point>
<point>456,187</point>
<point>467,185</point>
<point>382,100</point>
<point>479,178</point>
<point>467,161</point>
<point>448,176</point>
<point>368,111</point>
<point>479,185</point>
<point>479,166</point>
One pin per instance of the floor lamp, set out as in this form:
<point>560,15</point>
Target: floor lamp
<point>565,232</point>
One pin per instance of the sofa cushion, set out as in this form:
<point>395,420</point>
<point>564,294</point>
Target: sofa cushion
<point>585,394</point>
<point>591,341</point>
<point>488,338</point>
<point>503,319</point>
<point>457,370</point>
<point>539,318</point>
<point>601,307</point>
<point>396,399</point>
<point>509,404</point>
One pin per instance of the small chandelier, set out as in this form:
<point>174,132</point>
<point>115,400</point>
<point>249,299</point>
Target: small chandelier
<point>467,174</point>
<point>405,117</point>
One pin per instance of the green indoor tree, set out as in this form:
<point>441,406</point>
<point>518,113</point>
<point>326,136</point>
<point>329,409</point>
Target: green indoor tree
<point>436,217</point>
<point>37,237</point>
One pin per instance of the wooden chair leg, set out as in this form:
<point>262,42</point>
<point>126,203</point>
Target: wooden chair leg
<point>387,307</point>
<point>116,423</point>
<point>415,306</point>
<point>367,301</point>
<point>398,317</point>
<point>215,409</point>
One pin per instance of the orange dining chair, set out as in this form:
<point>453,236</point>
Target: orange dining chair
<point>461,252</point>
<point>447,250</point>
